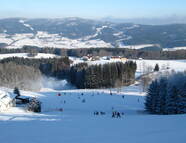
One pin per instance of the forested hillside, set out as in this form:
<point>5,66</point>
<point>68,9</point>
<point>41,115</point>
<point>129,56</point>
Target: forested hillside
<point>103,76</point>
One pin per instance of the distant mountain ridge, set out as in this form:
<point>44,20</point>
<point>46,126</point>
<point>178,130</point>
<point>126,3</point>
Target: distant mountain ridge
<point>88,33</point>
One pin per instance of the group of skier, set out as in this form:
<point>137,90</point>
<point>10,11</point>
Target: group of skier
<point>99,113</point>
<point>116,114</point>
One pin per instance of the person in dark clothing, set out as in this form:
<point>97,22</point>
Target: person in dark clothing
<point>113,114</point>
<point>102,113</point>
<point>118,115</point>
<point>59,94</point>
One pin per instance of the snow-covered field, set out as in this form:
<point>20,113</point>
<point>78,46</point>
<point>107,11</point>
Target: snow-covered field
<point>25,55</point>
<point>77,123</point>
<point>174,49</point>
<point>137,47</point>
<point>44,39</point>
<point>142,64</point>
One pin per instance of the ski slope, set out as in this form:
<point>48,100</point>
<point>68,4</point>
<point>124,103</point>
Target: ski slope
<point>68,119</point>
<point>77,123</point>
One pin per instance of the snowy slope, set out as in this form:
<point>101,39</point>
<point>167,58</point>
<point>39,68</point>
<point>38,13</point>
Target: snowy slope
<point>26,25</point>
<point>77,123</point>
<point>44,39</point>
<point>137,47</point>
<point>142,65</point>
<point>25,55</point>
<point>174,49</point>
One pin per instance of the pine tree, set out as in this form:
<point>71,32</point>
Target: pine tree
<point>152,93</point>
<point>182,101</point>
<point>171,100</point>
<point>156,67</point>
<point>162,94</point>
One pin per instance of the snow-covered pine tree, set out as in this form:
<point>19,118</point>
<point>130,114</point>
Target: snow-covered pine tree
<point>157,109</point>
<point>156,68</point>
<point>171,100</point>
<point>182,100</point>
<point>162,95</point>
<point>152,92</point>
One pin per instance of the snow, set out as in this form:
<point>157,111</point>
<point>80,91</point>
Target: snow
<point>77,123</point>
<point>136,46</point>
<point>26,25</point>
<point>4,39</point>
<point>118,34</point>
<point>98,31</point>
<point>132,27</point>
<point>44,39</point>
<point>176,65</point>
<point>174,49</point>
<point>25,55</point>
<point>6,100</point>
<point>142,64</point>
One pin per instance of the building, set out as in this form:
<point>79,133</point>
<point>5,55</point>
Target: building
<point>95,58</point>
<point>123,59</point>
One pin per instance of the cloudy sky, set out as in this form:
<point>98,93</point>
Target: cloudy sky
<point>92,8</point>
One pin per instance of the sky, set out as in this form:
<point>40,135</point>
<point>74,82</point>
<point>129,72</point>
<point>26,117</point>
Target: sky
<point>91,8</point>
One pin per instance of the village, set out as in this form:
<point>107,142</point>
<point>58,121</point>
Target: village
<point>97,58</point>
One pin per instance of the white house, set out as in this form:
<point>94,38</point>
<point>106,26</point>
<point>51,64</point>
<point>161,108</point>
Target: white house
<point>7,100</point>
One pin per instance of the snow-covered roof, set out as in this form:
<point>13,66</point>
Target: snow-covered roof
<point>5,97</point>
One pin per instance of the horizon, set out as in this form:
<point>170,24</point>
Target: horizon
<point>119,9</point>
<point>143,21</point>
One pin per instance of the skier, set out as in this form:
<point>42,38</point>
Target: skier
<point>97,113</point>
<point>118,115</point>
<point>113,114</point>
<point>59,94</point>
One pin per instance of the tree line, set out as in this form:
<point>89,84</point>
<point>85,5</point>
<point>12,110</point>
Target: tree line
<point>55,67</point>
<point>102,76</point>
<point>167,95</point>
<point>128,53</point>
<point>81,75</point>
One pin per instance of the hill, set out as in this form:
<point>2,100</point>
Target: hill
<point>84,33</point>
